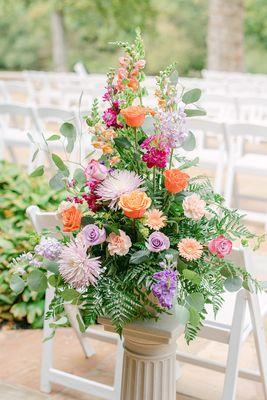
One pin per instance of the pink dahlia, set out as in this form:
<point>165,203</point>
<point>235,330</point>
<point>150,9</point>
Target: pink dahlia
<point>117,184</point>
<point>76,267</point>
<point>194,207</point>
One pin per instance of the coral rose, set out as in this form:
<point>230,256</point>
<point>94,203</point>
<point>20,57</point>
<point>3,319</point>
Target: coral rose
<point>135,115</point>
<point>71,219</point>
<point>175,180</point>
<point>134,204</point>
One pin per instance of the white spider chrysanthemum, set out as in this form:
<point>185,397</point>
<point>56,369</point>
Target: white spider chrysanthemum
<point>117,184</point>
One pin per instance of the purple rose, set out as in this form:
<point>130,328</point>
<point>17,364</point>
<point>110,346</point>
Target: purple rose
<point>157,241</point>
<point>92,235</point>
<point>95,171</point>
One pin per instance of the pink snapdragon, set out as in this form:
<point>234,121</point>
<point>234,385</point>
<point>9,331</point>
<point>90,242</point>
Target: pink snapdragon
<point>156,152</point>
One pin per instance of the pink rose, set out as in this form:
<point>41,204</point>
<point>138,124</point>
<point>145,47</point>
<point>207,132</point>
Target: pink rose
<point>220,246</point>
<point>95,171</point>
<point>118,244</point>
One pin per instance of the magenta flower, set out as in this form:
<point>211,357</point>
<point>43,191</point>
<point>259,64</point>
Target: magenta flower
<point>110,115</point>
<point>165,287</point>
<point>220,246</point>
<point>157,242</point>
<point>76,267</point>
<point>92,235</point>
<point>156,152</point>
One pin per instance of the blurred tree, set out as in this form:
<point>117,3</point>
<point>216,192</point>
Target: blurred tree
<point>226,35</point>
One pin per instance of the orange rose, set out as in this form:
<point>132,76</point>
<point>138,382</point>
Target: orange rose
<point>71,219</point>
<point>134,204</point>
<point>135,115</point>
<point>175,180</point>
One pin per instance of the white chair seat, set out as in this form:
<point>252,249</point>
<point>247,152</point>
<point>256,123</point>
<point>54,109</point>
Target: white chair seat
<point>251,162</point>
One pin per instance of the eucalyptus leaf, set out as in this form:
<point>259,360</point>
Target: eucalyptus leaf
<point>80,322</point>
<point>52,280</point>
<point>196,112</point>
<point>51,266</point>
<point>57,181</point>
<point>174,77</point>
<point>17,284</point>
<point>189,164</point>
<point>68,130</point>
<point>63,321</point>
<point>53,138</point>
<point>192,276</point>
<point>233,284</point>
<point>196,300</point>
<point>190,142</point>
<point>31,139</point>
<point>37,281</point>
<point>69,294</point>
<point>39,171</point>
<point>139,256</point>
<point>183,314</point>
<point>59,163</point>
<point>35,155</point>
<point>191,96</point>
<point>79,176</point>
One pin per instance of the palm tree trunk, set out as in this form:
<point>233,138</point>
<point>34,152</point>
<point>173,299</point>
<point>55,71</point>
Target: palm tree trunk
<point>226,35</point>
<point>58,41</point>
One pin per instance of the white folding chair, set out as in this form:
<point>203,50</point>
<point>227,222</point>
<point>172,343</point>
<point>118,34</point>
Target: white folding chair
<point>219,107</point>
<point>252,109</point>
<point>234,322</point>
<point>241,161</point>
<point>15,122</point>
<point>48,220</point>
<point>210,158</point>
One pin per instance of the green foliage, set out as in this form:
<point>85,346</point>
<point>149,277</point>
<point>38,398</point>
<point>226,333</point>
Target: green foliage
<point>17,192</point>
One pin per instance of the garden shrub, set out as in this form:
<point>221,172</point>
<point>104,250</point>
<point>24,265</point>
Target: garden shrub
<point>17,192</point>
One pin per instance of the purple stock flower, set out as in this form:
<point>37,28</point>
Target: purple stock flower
<point>49,248</point>
<point>92,235</point>
<point>173,127</point>
<point>165,287</point>
<point>157,241</point>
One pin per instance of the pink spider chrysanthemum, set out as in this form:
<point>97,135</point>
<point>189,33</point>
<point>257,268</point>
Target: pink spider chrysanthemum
<point>76,267</point>
<point>190,249</point>
<point>117,184</point>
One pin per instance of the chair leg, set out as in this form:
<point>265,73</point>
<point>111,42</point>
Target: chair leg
<point>229,185</point>
<point>259,336</point>
<point>219,178</point>
<point>231,373</point>
<point>72,312</point>
<point>118,371</point>
<point>47,347</point>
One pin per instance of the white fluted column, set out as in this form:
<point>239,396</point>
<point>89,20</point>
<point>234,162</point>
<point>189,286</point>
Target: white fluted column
<point>149,359</point>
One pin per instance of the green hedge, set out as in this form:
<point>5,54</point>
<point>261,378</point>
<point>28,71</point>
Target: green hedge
<point>17,192</point>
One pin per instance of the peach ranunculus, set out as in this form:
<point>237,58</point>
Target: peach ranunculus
<point>175,180</point>
<point>135,115</point>
<point>118,244</point>
<point>71,219</point>
<point>134,204</point>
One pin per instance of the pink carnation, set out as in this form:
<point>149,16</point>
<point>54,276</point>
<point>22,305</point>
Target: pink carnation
<point>118,244</point>
<point>194,207</point>
<point>220,246</point>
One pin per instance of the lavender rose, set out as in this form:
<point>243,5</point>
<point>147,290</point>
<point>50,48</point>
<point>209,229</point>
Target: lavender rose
<point>92,235</point>
<point>157,241</point>
<point>95,171</point>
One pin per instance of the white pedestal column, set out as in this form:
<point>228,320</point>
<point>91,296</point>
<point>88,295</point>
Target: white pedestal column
<point>149,359</point>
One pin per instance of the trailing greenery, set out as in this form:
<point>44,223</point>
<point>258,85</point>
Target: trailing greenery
<point>17,192</point>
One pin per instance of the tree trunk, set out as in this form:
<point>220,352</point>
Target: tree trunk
<point>58,41</point>
<point>226,35</point>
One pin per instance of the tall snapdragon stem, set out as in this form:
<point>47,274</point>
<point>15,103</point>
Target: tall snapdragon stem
<point>136,150</point>
<point>171,157</point>
<point>154,179</point>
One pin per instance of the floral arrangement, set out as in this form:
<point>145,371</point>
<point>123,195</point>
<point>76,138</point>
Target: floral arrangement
<point>140,236</point>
